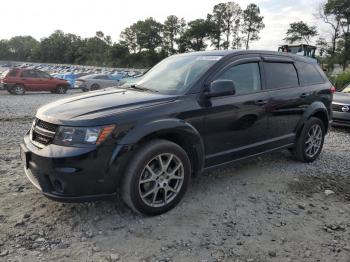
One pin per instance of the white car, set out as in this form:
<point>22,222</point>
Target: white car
<point>95,82</point>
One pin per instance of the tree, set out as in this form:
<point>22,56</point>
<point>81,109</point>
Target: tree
<point>60,48</point>
<point>129,39</point>
<point>22,47</point>
<point>252,24</point>
<point>341,10</point>
<point>216,22</point>
<point>300,31</point>
<point>335,24</point>
<point>196,34</point>
<point>232,17</point>
<point>119,54</point>
<point>171,30</point>
<point>148,34</point>
<point>4,50</point>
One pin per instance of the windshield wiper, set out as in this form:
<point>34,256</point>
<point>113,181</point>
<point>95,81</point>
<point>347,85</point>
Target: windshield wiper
<point>142,88</point>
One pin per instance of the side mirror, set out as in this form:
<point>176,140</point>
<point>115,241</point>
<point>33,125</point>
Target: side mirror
<point>221,88</point>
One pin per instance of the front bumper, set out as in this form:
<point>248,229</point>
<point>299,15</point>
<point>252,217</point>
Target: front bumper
<point>68,174</point>
<point>341,119</point>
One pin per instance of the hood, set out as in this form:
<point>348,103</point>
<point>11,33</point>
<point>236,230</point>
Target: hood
<point>342,98</point>
<point>99,104</point>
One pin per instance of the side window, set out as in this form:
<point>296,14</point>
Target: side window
<point>29,74</point>
<point>43,74</point>
<point>309,74</point>
<point>101,77</point>
<point>246,78</point>
<point>280,75</point>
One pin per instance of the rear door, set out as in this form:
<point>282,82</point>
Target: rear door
<point>236,125</point>
<point>287,100</point>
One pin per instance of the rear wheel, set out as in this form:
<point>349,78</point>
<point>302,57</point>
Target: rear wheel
<point>157,177</point>
<point>61,90</point>
<point>17,90</point>
<point>310,142</point>
<point>95,87</point>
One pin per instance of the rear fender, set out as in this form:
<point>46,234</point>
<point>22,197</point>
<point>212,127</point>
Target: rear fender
<point>314,109</point>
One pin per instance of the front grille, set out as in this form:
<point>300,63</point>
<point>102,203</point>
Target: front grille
<point>46,125</point>
<point>339,108</point>
<point>43,132</point>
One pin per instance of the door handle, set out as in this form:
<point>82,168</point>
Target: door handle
<point>261,102</point>
<point>303,95</point>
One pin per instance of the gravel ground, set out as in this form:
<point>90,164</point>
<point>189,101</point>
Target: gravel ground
<point>269,208</point>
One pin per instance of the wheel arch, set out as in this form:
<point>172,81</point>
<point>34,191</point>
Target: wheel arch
<point>318,110</point>
<point>174,130</point>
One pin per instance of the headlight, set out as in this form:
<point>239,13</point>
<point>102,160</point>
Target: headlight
<point>69,136</point>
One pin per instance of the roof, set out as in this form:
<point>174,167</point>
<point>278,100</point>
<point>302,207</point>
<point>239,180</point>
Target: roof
<point>234,52</point>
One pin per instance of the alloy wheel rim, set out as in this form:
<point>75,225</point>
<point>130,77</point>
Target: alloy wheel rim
<point>18,90</point>
<point>313,141</point>
<point>161,180</point>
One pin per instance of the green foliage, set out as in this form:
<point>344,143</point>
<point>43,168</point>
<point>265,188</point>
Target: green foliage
<point>145,42</point>
<point>197,33</point>
<point>252,24</point>
<point>300,31</point>
<point>341,80</point>
<point>225,22</point>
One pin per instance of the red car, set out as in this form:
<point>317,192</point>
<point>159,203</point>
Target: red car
<point>19,80</point>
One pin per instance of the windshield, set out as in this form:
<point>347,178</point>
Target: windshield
<point>176,74</point>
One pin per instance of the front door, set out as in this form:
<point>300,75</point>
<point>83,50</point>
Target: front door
<point>236,125</point>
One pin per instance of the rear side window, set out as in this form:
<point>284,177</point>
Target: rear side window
<point>309,74</point>
<point>281,75</point>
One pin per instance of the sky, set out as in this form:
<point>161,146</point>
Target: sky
<point>39,18</point>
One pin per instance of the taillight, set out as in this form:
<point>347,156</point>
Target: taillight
<point>333,90</point>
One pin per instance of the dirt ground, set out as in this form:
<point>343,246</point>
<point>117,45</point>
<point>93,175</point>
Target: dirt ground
<point>268,208</point>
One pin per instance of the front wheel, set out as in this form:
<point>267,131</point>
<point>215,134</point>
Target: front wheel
<point>310,142</point>
<point>157,177</point>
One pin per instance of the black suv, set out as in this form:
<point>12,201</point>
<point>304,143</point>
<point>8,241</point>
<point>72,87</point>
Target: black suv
<point>189,113</point>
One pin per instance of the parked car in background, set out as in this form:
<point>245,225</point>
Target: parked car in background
<point>131,80</point>
<point>95,82</point>
<point>19,80</point>
<point>189,113</point>
<point>341,107</point>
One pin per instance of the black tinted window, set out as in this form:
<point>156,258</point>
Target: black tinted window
<point>281,75</point>
<point>309,74</point>
<point>246,77</point>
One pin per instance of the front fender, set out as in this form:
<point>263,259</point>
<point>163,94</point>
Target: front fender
<point>163,127</point>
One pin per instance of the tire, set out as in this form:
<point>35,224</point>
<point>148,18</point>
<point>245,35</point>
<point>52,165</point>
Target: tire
<point>61,90</point>
<point>310,141</point>
<point>18,90</point>
<point>148,197</point>
<point>95,87</point>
